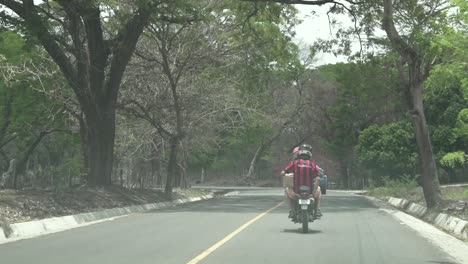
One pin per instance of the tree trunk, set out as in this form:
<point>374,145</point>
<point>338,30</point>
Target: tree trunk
<point>21,166</point>
<point>253,163</point>
<point>100,124</point>
<point>202,176</point>
<point>261,150</point>
<point>171,167</point>
<point>5,160</point>
<point>10,175</point>
<point>345,175</point>
<point>430,177</point>
<point>84,149</point>
<point>6,118</point>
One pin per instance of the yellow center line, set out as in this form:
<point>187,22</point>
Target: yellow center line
<point>223,241</point>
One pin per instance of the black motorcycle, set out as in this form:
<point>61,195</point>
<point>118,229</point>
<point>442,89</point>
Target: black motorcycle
<point>303,211</point>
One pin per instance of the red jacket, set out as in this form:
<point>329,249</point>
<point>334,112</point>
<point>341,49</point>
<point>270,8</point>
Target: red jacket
<point>304,171</point>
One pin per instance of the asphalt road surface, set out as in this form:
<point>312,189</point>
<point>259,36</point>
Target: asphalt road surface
<point>250,227</point>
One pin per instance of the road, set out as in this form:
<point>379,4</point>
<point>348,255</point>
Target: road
<point>233,230</point>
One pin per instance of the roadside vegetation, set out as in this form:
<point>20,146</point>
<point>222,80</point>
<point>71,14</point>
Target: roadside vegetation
<point>455,200</point>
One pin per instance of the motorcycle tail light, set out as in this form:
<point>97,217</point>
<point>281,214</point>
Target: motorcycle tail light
<point>305,196</point>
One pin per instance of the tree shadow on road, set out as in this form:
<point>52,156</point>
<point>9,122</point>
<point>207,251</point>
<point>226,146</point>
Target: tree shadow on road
<point>299,231</point>
<point>258,204</point>
<point>332,204</point>
<point>441,262</point>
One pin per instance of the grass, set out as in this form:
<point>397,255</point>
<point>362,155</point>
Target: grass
<point>455,193</point>
<point>403,188</point>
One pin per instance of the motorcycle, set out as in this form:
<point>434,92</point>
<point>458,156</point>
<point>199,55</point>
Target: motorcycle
<point>303,211</point>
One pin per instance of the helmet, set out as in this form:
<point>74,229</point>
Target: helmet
<point>304,154</point>
<point>306,147</point>
<point>295,150</point>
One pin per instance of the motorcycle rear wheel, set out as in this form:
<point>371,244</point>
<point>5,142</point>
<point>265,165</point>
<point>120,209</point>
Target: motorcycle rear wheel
<point>305,221</point>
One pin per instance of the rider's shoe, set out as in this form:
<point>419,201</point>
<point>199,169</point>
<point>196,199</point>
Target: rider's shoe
<point>318,214</point>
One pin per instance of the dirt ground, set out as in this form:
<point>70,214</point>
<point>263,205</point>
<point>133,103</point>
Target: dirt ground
<point>26,205</point>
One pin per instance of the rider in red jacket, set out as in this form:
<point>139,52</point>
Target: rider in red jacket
<point>306,173</point>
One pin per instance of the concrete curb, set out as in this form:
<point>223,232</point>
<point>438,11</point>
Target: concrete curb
<point>57,224</point>
<point>450,224</point>
<point>2,236</point>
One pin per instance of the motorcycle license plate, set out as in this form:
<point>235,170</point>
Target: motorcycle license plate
<point>304,201</point>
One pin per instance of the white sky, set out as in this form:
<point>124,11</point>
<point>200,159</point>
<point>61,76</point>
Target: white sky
<point>313,27</point>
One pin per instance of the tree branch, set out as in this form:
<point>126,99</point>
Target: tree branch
<point>76,30</point>
<point>295,2</point>
<point>125,44</point>
<point>398,43</point>
<point>13,137</point>
<point>144,114</point>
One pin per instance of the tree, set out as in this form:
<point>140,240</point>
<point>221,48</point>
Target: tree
<point>175,83</point>
<point>413,54</point>
<point>92,60</point>
<point>270,72</point>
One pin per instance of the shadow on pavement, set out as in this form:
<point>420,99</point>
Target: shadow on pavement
<point>299,231</point>
<point>333,204</point>
<point>441,262</point>
<point>231,204</point>
<point>258,204</point>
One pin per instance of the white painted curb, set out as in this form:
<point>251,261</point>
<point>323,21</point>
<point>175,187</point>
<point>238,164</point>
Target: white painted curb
<point>451,224</point>
<point>56,224</point>
<point>3,239</point>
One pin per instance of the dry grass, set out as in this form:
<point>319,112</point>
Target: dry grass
<point>27,205</point>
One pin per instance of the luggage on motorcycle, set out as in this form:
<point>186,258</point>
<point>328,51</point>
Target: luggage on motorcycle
<point>324,184</point>
<point>291,194</point>
<point>288,180</point>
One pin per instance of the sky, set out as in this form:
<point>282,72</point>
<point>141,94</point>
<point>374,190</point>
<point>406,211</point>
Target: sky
<point>313,27</point>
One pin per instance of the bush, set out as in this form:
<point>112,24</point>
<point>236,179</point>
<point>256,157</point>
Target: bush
<point>388,150</point>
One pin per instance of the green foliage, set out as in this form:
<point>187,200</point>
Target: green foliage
<point>454,159</point>
<point>388,150</point>
<point>443,102</point>
<point>367,94</point>
<point>461,128</point>
<point>33,111</point>
<point>264,46</point>
<point>446,95</point>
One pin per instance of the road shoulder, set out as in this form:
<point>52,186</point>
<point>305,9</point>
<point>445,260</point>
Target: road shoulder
<point>453,246</point>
